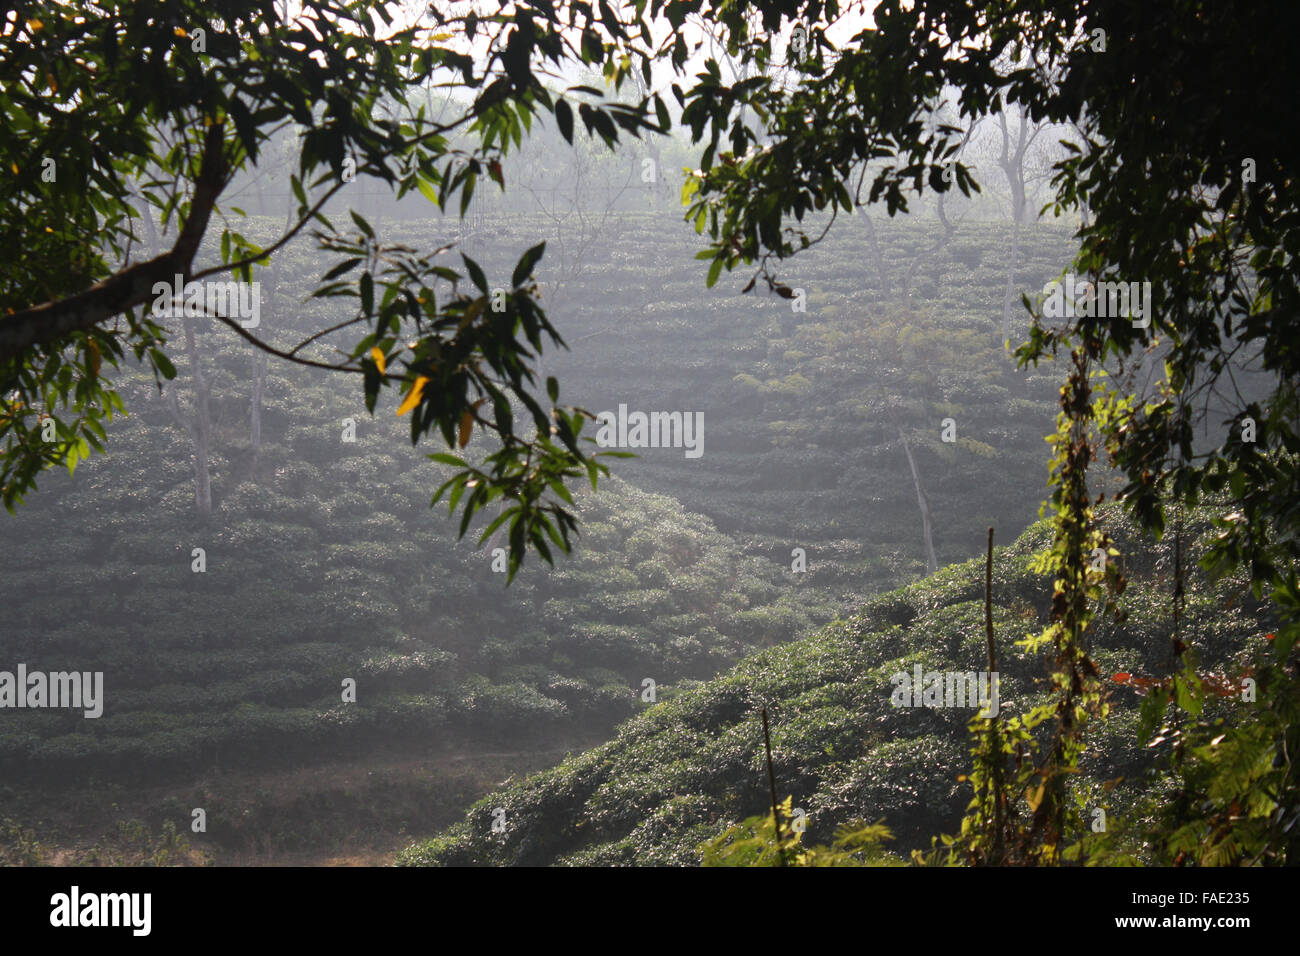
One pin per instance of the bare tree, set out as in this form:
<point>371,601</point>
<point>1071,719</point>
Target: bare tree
<point>198,423</point>
<point>923,502</point>
<point>949,226</point>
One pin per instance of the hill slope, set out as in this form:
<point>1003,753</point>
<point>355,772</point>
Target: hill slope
<point>684,771</point>
<point>323,563</point>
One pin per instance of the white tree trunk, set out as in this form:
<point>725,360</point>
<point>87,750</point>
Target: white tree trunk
<point>255,413</point>
<point>1011,278</point>
<point>924,504</point>
<point>878,256</point>
<point>200,429</point>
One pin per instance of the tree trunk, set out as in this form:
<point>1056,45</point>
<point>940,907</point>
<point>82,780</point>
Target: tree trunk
<point>255,412</point>
<point>1012,161</point>
<point>270,288</point>
<point>203,426</point>
<point>200,429</point>
<point>923,503</point>
<point>202,479</point>
<point>155,244</point>
<point>879,257</point>
<point>1011,278</point>
<point>933,251</point>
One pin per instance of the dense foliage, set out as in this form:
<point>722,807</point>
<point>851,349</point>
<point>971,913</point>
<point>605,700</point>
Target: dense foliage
<point>683,773</point>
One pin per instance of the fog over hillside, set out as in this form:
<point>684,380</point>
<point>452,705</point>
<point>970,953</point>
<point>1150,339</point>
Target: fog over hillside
<point>646,434</point>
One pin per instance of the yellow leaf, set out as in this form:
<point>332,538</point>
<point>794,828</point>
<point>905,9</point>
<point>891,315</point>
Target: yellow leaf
<point>378,355</point>
<point>35,26</point>
<point>94,357</point>
<point>1034,796</point>
<point>466,427</point>
<point>15,168</point>
<point>54,84</point>
<point>413,397</point>
<point>180,32</point>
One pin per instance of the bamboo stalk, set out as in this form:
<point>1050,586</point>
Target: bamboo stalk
<point>771,782</point>
<point>996,756</point>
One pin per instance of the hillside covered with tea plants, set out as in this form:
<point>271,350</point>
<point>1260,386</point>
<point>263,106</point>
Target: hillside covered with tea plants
<point>322,561</point>
<point>319,560</point>
<point>452,431</point>
<point>679,775</point>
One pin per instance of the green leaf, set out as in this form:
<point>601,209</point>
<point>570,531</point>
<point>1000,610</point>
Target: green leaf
<point>476,273</point>
<point>427,190</point>
<point>467,193</point>
<point>526,263</point>
<point>1237,482</point>
<point>496,523</point>
<point>342,267</point>
<point>367,293</point>
<point>661,111</point>
<point>362,224</point>
<point>714,271</point>
<point>163,364</point>
<point>564,120</point>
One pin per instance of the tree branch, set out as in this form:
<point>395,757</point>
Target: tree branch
<point>288,356</point>
<point>132,286</point>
